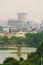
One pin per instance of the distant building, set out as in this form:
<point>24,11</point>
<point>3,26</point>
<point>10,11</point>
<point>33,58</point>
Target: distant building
<point>5,29</point>
<point>22,17</point>
<point>1,29</point>
<point>22,24</point>
<point>12,22</point>
<point>41,26</point>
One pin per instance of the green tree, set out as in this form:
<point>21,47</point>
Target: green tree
<point>38,37</point>
<point>20,40</point>
<point>11,61</point>
<point>29,39</point>
<point>40,51</point>
<point>40,47</point>
<point>5,39</point>
<point>13,39</point>
<point>1,41</point>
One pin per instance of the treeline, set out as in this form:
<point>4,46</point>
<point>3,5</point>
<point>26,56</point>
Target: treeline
<point>34,58</point>
<point>30,39</point>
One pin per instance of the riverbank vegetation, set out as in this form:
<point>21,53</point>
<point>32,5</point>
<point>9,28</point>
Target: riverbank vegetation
<point>7,48</point>
<point>30,40</point>
<point>20,52</point>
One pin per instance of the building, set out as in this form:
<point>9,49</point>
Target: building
<point>41,26</point>
<point>22,17</point>
<point>12,22</point>
<point>1,29</point>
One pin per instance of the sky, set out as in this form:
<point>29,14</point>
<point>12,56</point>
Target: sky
<point>10,8</point>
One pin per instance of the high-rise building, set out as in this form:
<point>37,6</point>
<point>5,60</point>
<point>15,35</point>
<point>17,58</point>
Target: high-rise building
<point>22,17</point>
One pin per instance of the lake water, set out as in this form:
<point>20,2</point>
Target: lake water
<point>6,53</point>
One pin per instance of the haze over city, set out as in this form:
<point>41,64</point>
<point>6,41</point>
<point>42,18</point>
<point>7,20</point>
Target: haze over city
<point>10,8</point>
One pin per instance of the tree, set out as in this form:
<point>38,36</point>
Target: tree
<point>5,39</point>
<point>40,47</point>
<point>20,40</point>
<point>29,39</point>
<point>11,61</point>
<point>38,37</point>
<point>0,38</point>
<point>13,39</point>
<point>32,58</point>
<point>21,59</point>
<point>1,41</point>
<point>40,51</point>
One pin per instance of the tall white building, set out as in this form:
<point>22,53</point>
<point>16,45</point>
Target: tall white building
<point>22,17</point>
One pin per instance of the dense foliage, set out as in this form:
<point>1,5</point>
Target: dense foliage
<point>30,39</point>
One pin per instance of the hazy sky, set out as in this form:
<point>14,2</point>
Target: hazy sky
<point>10,8</point>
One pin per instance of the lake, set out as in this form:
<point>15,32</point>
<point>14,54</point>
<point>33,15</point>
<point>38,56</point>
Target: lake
<point>6,53</point>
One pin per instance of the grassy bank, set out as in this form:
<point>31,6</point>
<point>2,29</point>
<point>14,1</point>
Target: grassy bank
<point>7,48</point>
<point>17,52</point>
